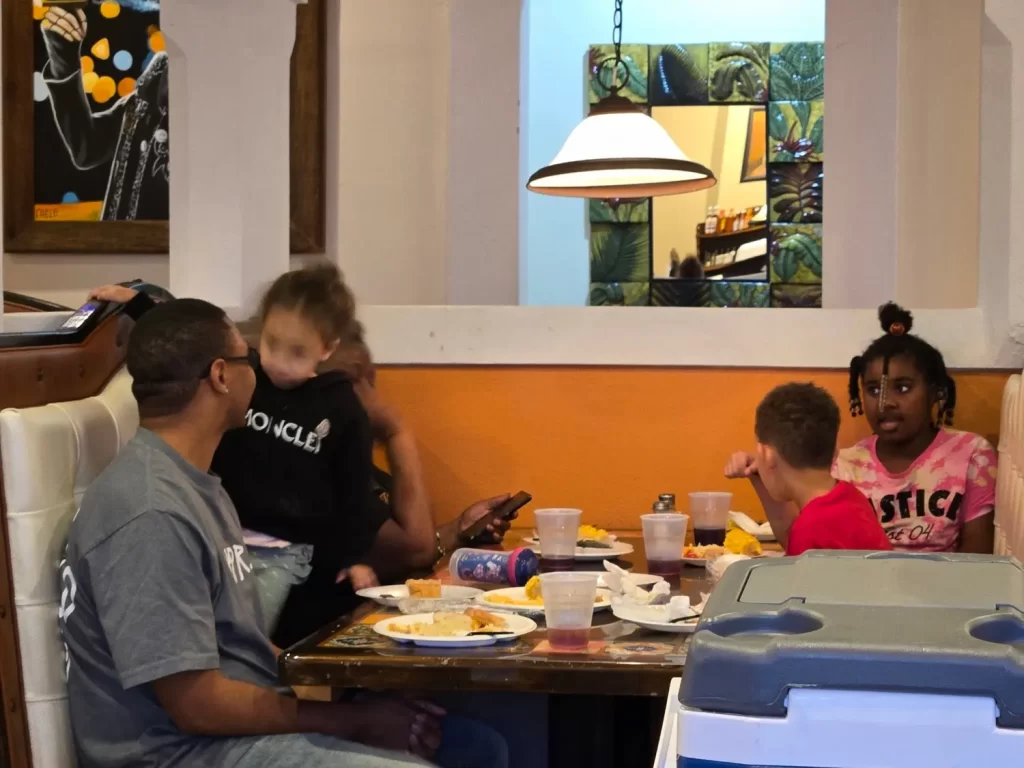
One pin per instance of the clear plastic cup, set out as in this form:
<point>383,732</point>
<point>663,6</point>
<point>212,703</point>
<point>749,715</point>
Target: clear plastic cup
<point>664,538</point>
<point>569,607</point>
<point>557,530</point>
<point>710,513</point>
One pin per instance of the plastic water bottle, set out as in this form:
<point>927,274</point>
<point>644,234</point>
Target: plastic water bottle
<point>490,566</point>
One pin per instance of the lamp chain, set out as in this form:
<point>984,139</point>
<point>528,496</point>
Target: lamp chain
<point>617,41</point>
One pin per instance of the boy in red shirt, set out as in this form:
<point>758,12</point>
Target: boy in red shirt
<point>796,427</point>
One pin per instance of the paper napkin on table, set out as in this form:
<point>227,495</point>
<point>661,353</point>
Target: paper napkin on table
<point>762,531</point>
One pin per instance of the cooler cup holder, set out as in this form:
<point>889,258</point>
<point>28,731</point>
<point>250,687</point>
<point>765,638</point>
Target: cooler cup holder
<point>788,622</point>
<point>1003,629</point>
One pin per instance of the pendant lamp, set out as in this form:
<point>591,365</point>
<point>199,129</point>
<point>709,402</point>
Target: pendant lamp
<point>620,152</point>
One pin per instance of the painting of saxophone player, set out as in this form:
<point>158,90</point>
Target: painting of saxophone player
<point>101,120</point>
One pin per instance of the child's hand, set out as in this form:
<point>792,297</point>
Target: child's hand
<point>741,465</point>
<point>361,576</point>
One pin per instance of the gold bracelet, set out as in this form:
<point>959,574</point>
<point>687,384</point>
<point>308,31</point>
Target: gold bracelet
<point>441,551</point>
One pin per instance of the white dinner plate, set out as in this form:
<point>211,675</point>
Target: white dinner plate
<point>517,626</point>
<point>698,562</point>
<point>654,617</point>
<point>390,596</point>
<point>604,601</point>
<point>615,549</point>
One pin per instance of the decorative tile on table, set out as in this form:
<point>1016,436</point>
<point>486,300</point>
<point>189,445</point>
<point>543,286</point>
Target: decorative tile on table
<point>795,253</point>
<point>739,73</point>
<point>634,64</point>
<point>796,192</point>
<point>796,296</point>
<point>797,71</point>
<point>709,293</point>
<point>678,75</point>
<point>620,253</point>
<point>620,211</point>
<point>796,131</point>
<point>620,294</point>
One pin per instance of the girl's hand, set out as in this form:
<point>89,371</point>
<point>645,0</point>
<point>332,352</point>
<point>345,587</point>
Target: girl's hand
<point>361,576</point>
<point>118,294</point>
<point>740,465</point>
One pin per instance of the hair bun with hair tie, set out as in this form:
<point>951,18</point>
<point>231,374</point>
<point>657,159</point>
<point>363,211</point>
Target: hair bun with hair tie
<point>895,320</point>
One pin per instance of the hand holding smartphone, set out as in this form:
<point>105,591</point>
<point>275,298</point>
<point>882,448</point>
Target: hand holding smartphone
<point>502,512</point>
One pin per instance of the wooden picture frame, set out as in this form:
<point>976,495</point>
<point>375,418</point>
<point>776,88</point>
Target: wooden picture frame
<point>755,153</point>
<point>23,234</point>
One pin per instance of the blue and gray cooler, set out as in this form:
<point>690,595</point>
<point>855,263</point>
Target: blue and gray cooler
<point>856,660</point>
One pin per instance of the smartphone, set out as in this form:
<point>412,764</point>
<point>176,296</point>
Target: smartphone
<point>87,311</point>
<point>503,512</point>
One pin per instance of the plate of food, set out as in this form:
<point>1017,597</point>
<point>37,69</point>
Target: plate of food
<point>591,544</point>
<point>428,589</point>
<point>677,617</point>
<point>528,599</point>
<point>737,542</point>
<point>470,628</point>
<point>640,579</point>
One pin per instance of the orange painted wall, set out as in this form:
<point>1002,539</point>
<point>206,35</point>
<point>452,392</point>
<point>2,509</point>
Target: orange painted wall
<point>608,440</point>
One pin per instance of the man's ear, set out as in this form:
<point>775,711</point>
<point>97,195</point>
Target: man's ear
<point>218,377</point>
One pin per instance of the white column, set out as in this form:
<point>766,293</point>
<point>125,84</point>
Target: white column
<point>483,152</point>
<point>938,172</point>
<point>229,127</point>
<point>861,41</point>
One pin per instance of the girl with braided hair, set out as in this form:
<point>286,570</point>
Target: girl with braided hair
<point>932,487</point>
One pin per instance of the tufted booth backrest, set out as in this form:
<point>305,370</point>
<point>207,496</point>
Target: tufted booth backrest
<point>1010,482</point>
<point>49,455</point>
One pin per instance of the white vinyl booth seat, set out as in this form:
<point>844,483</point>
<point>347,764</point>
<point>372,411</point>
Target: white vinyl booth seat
<point>50,455</point>
<point>1009,522</point>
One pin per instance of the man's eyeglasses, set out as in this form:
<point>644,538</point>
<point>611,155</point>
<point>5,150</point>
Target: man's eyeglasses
<point>251,358</point>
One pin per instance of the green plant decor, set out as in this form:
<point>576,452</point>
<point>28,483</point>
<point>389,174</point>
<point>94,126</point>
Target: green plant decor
<point>619,294</point>
<point>678,75</point>
<point>620,253</point>
<point>620,211</point>
<point>796,192</point>
<point>797,71</point>
<point>797,131</point>
<point>739,72</point>
<point>796,253</point>
<point>797,296</point>
<point>634,64</point>
<point>732,293</point>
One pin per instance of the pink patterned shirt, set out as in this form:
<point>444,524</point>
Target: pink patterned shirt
<point>924,508</point>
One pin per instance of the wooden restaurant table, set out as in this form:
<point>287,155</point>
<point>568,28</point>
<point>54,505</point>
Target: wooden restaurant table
<point>606,703</point>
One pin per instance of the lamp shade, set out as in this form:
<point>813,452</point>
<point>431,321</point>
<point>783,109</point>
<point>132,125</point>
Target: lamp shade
<point>618,151</point>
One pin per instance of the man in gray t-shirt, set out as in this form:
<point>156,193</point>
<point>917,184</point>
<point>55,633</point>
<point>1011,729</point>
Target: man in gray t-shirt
<point>166,661</point>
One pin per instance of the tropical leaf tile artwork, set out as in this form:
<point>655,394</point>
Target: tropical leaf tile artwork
<point>796,193</point>
<point>796,296</point>
<point>620,211</point>
<point>709,293</point>
<point>620,294</point>
<point>797,71</point>
<point>796,131</point>
<point>678,75</point>
<point>620,253</point>
<point>796,253</point>
<point>632,71</point>
<point>739,72</point>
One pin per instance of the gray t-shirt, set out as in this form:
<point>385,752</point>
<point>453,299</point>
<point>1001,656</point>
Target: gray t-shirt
<point>155,582</point>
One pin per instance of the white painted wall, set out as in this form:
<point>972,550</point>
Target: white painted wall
<point>553,251</point>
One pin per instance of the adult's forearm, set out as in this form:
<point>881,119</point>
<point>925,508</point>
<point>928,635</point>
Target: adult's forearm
<point>209,704</point>
<point>409,501</point>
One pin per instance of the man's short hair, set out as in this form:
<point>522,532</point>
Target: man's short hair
<point>801,422</point>
<point>170,348</point>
